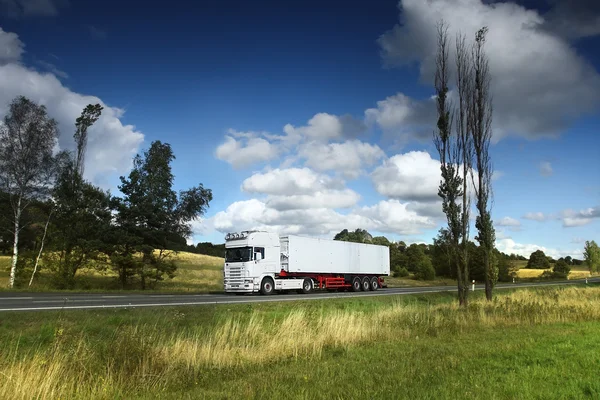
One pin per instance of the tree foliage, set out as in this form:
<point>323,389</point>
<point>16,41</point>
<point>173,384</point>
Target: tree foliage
<point>538,260</point>
<point>27,163</point>
<point>591,255</point>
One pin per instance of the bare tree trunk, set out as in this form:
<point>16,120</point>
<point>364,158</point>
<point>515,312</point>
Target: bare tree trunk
<point>15,257</point>
<point>37,260</point>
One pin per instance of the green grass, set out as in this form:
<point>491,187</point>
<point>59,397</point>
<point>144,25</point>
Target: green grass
<point>526,344</point>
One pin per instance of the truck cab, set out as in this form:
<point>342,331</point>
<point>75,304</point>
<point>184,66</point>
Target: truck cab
<point>249,257</point>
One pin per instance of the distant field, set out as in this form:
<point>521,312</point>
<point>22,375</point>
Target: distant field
<point>527,344</point>
<point>195,273</point>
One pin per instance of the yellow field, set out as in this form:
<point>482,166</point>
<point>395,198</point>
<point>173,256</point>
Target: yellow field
<point>578,273</point>
<point>195,272</point>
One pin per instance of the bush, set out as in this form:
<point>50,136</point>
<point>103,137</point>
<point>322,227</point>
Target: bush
<point>561,269</point>
<point>538,260</point>
<point>424,270</point>
<point>401,273</point>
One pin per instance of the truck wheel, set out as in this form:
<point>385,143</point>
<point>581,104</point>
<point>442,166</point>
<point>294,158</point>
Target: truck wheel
<point>307,286</point>
<point>374,283</point>
<point>366,284</point>
<point>356,284</point>
<point>267,286</point>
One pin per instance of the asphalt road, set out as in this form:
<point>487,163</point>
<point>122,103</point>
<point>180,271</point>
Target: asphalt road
<point>61,301</point>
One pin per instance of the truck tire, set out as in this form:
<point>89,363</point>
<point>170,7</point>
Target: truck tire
<point>374,283</point>
<point>366,284</point>
<point>307,286</point>
<point>267,286</point>
<point>356,284</point>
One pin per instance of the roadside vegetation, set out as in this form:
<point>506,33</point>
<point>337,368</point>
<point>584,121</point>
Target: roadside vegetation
<point>266,350</point>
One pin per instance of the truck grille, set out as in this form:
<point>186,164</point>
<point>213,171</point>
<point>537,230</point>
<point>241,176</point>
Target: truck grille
<point>234,275</point>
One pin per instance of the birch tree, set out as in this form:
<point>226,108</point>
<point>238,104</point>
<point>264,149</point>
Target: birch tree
<point>481,130</point>
<point>27,139</point>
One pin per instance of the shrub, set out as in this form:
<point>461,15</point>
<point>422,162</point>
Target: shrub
<point>424,270</point>
<point>401,273</point>
<point>561,269</point>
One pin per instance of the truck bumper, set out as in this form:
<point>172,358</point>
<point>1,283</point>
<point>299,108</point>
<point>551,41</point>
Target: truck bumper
<point>239,288</point>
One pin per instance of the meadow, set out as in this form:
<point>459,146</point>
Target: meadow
<point>526,344</point>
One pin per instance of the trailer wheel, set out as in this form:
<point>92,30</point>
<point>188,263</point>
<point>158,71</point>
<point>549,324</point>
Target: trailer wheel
<point>374,283</point>
<point>307,286</point>
<point>366,284</point>
<point>267,286</point>
<point>356,284</point>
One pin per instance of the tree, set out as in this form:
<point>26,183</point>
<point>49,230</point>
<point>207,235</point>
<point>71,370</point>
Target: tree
<point>591,255</point>
<point>424,269</point>
<point>357,236</point>
<point>88,117</point>
<point>27,163</point>
<point>481,131</point>
<point>448,147</point>
<point>561,269</point>
<point>150,213</point>
<point>538,260</point>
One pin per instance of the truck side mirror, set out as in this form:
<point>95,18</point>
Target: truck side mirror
<point>257,256</point>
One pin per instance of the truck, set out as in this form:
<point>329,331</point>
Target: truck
<point>264,262</point>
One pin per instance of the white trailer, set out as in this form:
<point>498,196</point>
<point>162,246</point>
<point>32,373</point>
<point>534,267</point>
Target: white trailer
<point>264,262</point>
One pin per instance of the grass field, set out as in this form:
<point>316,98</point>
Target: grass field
<point>542,343</point>
<point>202,274</point>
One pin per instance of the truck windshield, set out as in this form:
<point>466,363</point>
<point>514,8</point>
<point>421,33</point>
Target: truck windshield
<point>238,254</point>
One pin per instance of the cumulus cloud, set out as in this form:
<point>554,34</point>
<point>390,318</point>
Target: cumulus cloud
<point>386,216</point>
<point>290,181</point>
<point>535,216</point>
<point>509,246</point>
<point>244,149</point>
<point>31,8</point>
<point>347,157</point>
<point>509,222</point>
<point>409,176</point>
<point>539,82</point>
<point>111,144</point>
<point>324,126</point>
<point>403,118</point>
<point>11,47</point>
<point>545,168</point>
<point>573,218</point>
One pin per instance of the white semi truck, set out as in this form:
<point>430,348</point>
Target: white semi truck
<point>258,261</point>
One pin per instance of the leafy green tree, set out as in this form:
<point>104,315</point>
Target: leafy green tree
<point>424,269</point>
<point>507,267</point>
<point>538,260</point>
<point>357,236</point>
<point>150,212</point>
<point>561,269</point>
<point>591,255</point>
<point>27,163</point>
<point>441,255</point>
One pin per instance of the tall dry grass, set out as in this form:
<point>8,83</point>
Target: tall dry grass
<point>152,358</point>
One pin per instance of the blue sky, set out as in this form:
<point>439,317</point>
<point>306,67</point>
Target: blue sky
<point>308,117</point>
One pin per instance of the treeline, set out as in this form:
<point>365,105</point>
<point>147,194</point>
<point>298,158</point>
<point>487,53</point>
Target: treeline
<point>51,218</point>
<point>428,261</point>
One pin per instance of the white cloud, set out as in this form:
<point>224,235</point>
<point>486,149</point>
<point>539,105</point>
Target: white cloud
<point>11,47</point>
<point>509,246</point>
<point>347,157</point>
<point>573,218</point>
<point>410,176</point>
<point>291,181</point>
<point>386,216</point>
<point>540,84</point>
<point>111,145</point>
<point>242,150</point>
<point>545,168</point>
<point>324,126</point>
<point>332,199</point>
<point>535,216</point>
<point>403,118</point>
<point>508,221</point>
